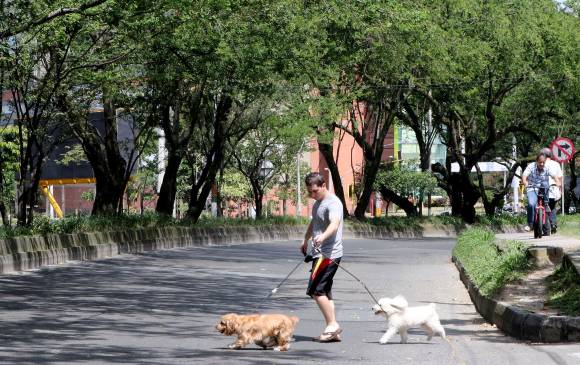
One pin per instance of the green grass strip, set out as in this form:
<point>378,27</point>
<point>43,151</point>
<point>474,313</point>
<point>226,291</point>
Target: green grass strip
<point>569,225</point>
<point>564,290</point>
<point>487,266</point>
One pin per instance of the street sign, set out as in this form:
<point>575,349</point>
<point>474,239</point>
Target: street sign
<point>562,149</point>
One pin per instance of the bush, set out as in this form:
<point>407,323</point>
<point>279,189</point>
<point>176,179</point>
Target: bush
<point>569,225</point>
<point>488,267</point>
<point>439,202</point>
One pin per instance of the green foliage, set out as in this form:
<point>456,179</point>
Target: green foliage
<point>8,163</point>
<point>73,155</point>
<point>569,225</point>
<point>88,195</point>
<point>405,181</point>
<point>235,186</point>
<point>488,267</point>
<point>498,221</point>
<point>42,225</point>
<point>564,290</point>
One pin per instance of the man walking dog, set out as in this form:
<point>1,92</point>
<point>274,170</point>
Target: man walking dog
<point>325,229</point>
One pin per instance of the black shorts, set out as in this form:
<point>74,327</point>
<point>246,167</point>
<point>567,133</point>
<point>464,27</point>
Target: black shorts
<point>322,272</point>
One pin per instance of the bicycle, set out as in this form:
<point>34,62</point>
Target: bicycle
<point>542,225</point>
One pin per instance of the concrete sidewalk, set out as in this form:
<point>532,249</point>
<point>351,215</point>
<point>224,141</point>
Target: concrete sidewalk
<point>570,245</point>
<point>517,318</point>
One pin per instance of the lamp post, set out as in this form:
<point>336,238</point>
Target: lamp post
<point>298,178</point>
<point>266,169</point>
<point>329,179</point>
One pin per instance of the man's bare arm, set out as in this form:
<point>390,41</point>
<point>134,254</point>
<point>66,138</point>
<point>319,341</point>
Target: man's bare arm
<point>307,236</point>
<point>330,230</point>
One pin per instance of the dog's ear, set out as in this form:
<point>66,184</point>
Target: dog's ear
<point>230,321</point>
<point>399,302</point>
<point>231,325</point>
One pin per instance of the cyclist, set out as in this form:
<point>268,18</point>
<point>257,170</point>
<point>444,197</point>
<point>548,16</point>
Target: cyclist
<point>535,177</point>
<point>555,189</point>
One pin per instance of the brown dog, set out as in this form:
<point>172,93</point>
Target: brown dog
<point>265,330</point>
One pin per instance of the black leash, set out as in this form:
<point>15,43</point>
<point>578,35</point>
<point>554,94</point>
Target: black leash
<point>273,291</point>
<point>317,249</point>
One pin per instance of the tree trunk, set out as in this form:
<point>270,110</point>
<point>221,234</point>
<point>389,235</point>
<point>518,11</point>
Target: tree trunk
<point>166,200</point>
<point>401,201</point>
<point>109,190</point>
<point>259,206</point>
<point>25,203</point>
<point>468,210</point>
<point>326,151</point>
<point>455,195</point>
<point>214,160</point>
<point>28,186</point>
<point>108,165</point>
<point>5,221</point>
<point>370,173</point>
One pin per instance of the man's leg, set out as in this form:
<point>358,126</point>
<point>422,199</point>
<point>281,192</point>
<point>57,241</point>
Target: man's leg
<point>553,214</point>
<point>327,308</point>
<point>532,202</point>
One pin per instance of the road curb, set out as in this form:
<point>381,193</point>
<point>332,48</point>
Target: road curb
<point>519,323</point>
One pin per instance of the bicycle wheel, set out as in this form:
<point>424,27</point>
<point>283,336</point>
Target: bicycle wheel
<point>547,227</point>
<point>540,221</point>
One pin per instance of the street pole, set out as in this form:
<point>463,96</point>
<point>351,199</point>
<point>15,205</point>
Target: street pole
<point>563,190</point>
<point>430,121</point>
<point>298,191</point>
<point>298,178</point>
<point>329,179</point>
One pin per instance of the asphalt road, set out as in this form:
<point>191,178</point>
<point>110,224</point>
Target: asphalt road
<point>161,308</point>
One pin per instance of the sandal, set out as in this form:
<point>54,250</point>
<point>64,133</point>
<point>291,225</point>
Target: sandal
<point>329,336</point>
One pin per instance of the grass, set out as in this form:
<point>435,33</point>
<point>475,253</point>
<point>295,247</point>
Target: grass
<point>77,224</point>
<point>569,225</point>
<point>488,267</point>
<point>564,290</point>
<point>441,221</point>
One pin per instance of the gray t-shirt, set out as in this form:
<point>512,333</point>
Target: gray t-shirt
<point>322,212</point>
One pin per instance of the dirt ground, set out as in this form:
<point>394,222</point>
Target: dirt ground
<point>530,292</point>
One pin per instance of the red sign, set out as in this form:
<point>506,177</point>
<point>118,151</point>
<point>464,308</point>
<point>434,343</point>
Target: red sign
<point>562,149</point>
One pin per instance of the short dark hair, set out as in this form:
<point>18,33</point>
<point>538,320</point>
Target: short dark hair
<point>314,178</point>
<point>546,152</point>
<point>541,154</point>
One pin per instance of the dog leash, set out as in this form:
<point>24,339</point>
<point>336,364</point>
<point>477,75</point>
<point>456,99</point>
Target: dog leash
<point>453,348</point>
<point>317,249</point>
<point>275,290</point>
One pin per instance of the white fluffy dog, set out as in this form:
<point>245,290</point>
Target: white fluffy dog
<point>401,317</point>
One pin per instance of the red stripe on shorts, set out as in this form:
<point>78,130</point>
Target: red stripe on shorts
<point>320,266</point>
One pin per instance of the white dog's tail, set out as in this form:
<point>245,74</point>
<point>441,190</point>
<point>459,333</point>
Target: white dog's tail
<point>432,305</point>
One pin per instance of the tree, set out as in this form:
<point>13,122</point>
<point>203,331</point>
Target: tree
<point>34,79</point>
<point>260,156</point>
<point>396,182</point>
<point>505,46</point>
<point>252,49</point>
<point>30,15</point>
<point>235,189</point>
<point>368,63</point>
<point>105,75</point>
